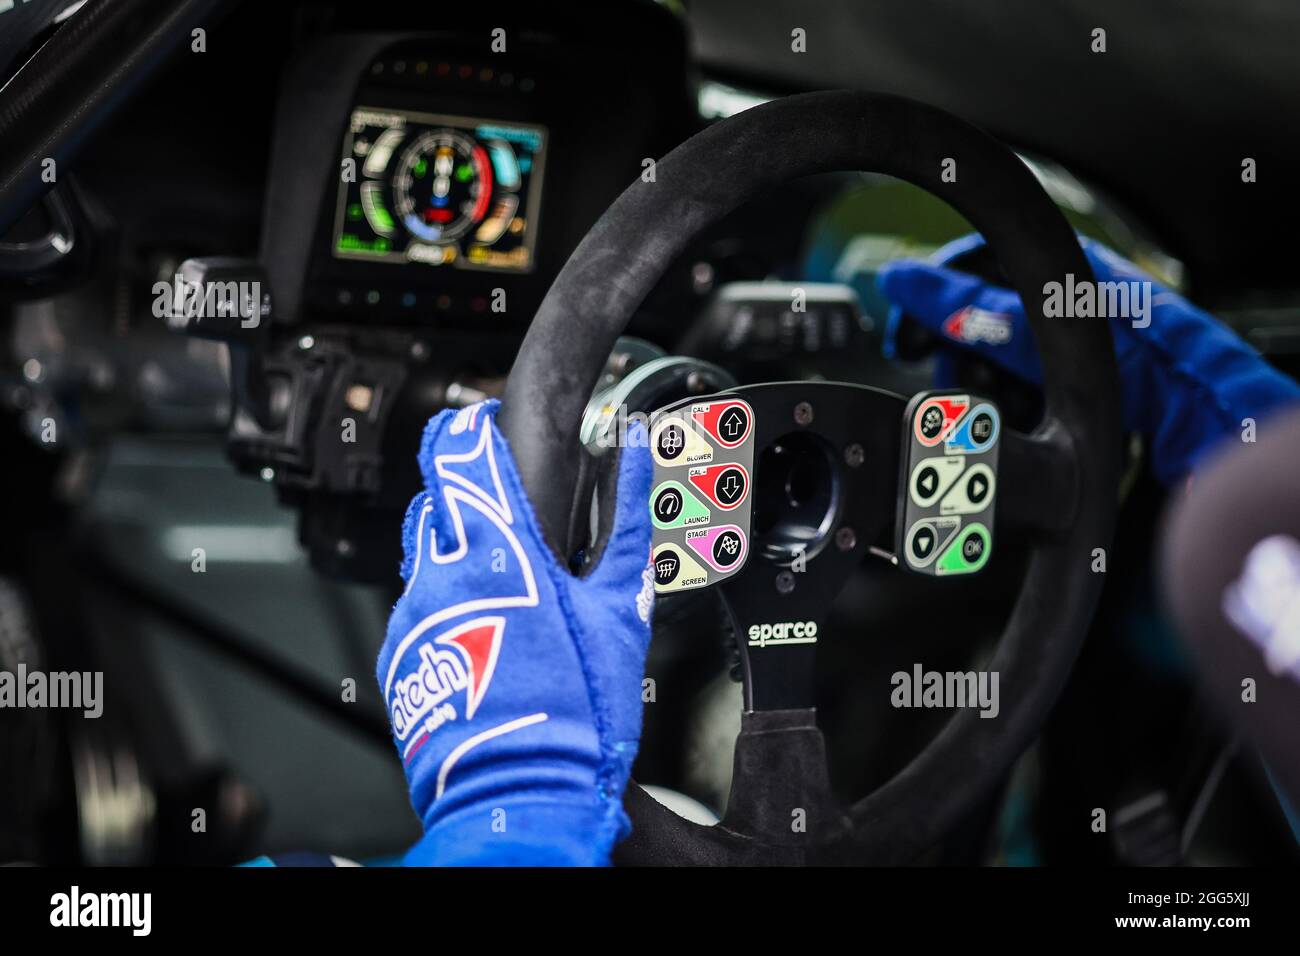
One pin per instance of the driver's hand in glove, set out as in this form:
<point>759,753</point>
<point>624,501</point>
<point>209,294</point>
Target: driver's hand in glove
<point>514,687</point>
<point>1188,381</point>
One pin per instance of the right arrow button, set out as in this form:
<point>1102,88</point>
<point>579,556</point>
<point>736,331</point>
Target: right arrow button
<point>972,493</point>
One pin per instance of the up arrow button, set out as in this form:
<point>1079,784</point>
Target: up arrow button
<point>729,421</point>
<point>732,425</point>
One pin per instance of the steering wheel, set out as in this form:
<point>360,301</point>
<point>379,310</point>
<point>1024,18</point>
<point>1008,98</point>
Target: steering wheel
<point>1058,485</point>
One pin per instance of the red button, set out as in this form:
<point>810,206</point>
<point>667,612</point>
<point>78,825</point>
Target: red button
<point>725,485</point>
<point>729,422</point>
<point>936,418</point>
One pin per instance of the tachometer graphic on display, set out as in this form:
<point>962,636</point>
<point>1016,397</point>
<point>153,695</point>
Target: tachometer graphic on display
<point>439,191</point>
<point>442,186</point>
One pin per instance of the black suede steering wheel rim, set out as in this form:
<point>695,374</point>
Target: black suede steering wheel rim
<point>627,252</point>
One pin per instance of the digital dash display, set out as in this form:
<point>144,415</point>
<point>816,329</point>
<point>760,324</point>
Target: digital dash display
<point>445,191</point>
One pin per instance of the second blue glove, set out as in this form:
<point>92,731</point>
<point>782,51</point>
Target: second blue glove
<point>1188,380</point>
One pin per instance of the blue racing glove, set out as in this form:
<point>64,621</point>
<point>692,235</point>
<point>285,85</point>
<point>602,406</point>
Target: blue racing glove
<point>1187,380</point>
<point>514,687</point>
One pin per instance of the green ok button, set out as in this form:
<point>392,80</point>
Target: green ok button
<point>968,552</point>
<point>672,506</point>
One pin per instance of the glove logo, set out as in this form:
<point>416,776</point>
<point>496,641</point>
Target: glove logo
<point>973,326</point>
<point>420,701</point>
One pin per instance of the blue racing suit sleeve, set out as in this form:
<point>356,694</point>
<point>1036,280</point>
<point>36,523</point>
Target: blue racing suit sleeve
<point>513,687</point>
<point>1188,381</point>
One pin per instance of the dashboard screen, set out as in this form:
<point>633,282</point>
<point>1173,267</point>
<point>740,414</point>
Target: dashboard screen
<point>447,191</point>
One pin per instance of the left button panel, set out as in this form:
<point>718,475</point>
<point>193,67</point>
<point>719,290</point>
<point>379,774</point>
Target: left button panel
<point>700,501</point>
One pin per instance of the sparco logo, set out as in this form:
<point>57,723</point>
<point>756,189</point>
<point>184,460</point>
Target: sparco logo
<point>783,632</point>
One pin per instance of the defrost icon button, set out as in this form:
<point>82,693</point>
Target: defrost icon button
<point>675,570</point>
<point>667,564</point>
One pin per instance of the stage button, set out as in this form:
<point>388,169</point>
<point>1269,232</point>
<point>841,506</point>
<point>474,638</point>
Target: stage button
<point>722,548</point>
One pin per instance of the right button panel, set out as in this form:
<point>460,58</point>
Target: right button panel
<point>948,483</point>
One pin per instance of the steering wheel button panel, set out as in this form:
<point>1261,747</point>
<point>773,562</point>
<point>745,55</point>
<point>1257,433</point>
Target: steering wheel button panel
<point>700,502</point>
<point>945,486</point>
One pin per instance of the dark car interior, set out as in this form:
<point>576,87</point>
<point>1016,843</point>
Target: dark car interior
<point>196,531</point>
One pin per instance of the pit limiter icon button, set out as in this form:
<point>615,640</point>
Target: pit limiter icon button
<point>725,485</point>
<point>729,422</point>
